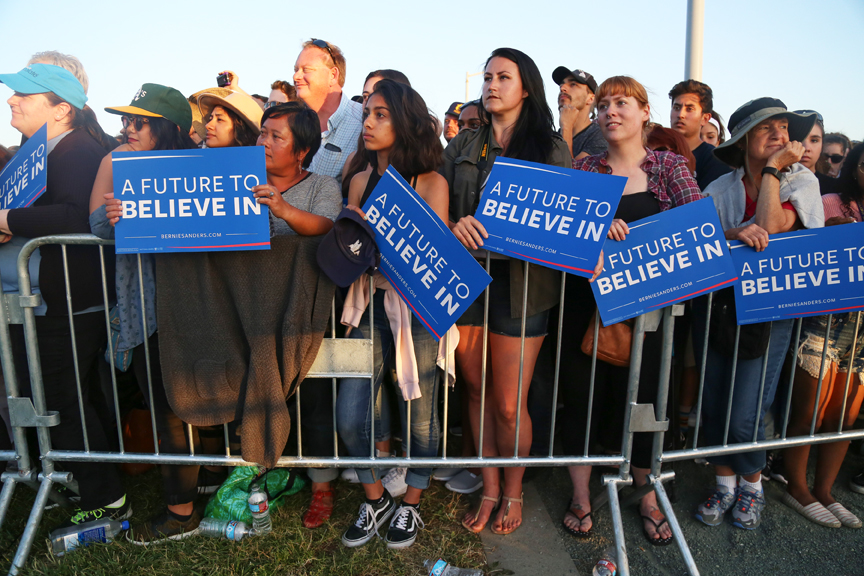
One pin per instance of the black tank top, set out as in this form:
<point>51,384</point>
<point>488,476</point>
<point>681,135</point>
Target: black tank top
<point>374,178</point>
<point>636,206</point>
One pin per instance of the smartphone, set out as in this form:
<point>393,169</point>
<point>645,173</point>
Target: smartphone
<point>222,80</point>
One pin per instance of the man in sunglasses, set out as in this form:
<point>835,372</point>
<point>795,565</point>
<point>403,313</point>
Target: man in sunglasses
<point>835,146</point>
<point>319,75</point>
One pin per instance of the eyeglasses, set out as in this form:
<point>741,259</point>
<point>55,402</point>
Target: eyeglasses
<point>138,121</point>
<point>809,112</point>
<point>324,46</point>
<point>833,158</point>
<point>271,104</point>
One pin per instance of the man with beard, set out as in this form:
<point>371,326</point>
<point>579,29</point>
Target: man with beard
<point>575,100</point>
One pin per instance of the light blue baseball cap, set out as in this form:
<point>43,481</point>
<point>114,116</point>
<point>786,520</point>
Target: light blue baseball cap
<point>41,78</point>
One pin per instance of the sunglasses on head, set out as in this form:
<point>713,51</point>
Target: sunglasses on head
<point>833,158</point>
<point>809,112</point>
<point>324,46</point>
<point>138,121</point>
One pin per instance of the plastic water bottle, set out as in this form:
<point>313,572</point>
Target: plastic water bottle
<point>228,529</point>
<point>441,568</point>
<point>606,565</point>
<point>67,539</point>
<point>260,509</point>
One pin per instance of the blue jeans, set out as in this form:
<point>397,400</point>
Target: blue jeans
<point>354,410</point>
<point>745,399</point>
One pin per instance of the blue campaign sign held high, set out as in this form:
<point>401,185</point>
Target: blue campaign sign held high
<point>804,273</point>
<point>190,200</point>
<point>673,256</point>
<point>555,217</point>
<point>25,176</point>
<point>431,270</point>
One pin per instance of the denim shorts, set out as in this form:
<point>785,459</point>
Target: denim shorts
<point>500,321</point>
<point>840,343</point>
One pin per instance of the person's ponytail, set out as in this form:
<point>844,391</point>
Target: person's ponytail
<point>86,120</point>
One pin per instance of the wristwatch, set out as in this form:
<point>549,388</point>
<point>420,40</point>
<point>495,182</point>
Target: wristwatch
<point>772,171</point>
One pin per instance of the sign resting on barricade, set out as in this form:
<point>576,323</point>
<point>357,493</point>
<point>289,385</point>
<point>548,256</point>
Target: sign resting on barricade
<point>426,265</point>
<point>190,200</point>
<point>25,176</point>
<point>555,217</point>
<point>673,256</point>
<point>803,273</point>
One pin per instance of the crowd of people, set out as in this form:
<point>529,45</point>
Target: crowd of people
<point>772,171</point>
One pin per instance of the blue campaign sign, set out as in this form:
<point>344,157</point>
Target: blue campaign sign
<point>804,273</point>
<point>190,200</point>
<point>431,270</point>
<point>555,217</point>
<point>25,176</point>
<point>668,258</point>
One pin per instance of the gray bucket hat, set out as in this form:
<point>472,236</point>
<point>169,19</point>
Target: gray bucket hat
<point>752,113</point>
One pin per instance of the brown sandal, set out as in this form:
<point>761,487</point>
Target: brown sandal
<point>470,526</point>
<point>506,512</point>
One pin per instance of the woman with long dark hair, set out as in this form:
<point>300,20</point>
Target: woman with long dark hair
<point>517,124</point>
<point>398,131</point>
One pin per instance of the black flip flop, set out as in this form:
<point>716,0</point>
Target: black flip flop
<point>656,541</point>
<point>578,533</point>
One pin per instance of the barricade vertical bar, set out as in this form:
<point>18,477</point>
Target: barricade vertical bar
<point>623,564</point>
<point>761,388</point>
<point>483,361</point>
<point>227,440</point>
<point>446,389</point>
<point>591,385</point>
<point>821,375</point>
<point>702,372</point>
<point>791,376</point>
<point>521,359</point>
<point>191,439</point>
<point>732,385</point>
<point>10,378</point>
<point>6,497</point>
<point>32,526</point>
<point>299,423</point>
<point>372,371</point>
<point>632,391</point>
<point>849,372</point>
<point>663,387</point>
<point>672,519</point>
<point>147,355</point>
<point>333,336</point>
<point>557,365</point>
<point>74,350</point>
<point>408,434</point>
<point>110,348</point>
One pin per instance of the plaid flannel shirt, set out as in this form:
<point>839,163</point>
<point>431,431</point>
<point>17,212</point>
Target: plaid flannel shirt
<point>343,129</point>
<point>668,177</point>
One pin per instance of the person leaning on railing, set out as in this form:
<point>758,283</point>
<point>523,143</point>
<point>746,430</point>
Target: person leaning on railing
<point>769,192</point>
<point>48,94</point>
<point>844,353</point>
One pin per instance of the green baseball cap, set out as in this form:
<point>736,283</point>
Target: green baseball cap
<point>41,78</point>
<point>158,101</point>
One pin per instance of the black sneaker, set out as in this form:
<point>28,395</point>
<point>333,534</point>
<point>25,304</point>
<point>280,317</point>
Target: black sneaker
<point>119,513</point>
<point>404,527</point>
<point>856,483</point>
<point>368,521</point>
<point>63,490</point>
<point>209,482</point>
<point>163,528</point>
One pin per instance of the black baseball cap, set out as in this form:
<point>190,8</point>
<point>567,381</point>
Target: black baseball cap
<point>348,250</point>
<point>454,110</point>
<point>561,73</point>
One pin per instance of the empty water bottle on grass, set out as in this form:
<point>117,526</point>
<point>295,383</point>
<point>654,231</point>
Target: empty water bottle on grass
<point>441,568</point>
<point>66,539</point>
<point>606,565</point>
<point>228,529</point>
<point>260,509</point>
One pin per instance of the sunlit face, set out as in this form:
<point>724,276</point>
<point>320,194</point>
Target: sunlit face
<point>767,137</point>
<point>621,117</point>
<point>278,142</point>
<point>220,129</point>
<point>378,132</point>
<point>30,112</point>
<point>709,134</point>
<point>312,76</point>
<point>469,118</point>
<point>812,148</point>
<point>502,87</point>
<point>573,93</point>
<point>687,116</point>
<point>451,126</point>
<point>138,140</point>
<point>369,87</point>
<point>277,96</point>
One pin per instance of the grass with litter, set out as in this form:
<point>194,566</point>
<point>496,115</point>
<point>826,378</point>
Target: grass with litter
<point>289,550</point>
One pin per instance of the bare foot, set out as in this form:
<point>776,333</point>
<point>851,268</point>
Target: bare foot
<point>476,520</point>
<point>509,516</point>
<point>654,522</point>
<point>578,518</point>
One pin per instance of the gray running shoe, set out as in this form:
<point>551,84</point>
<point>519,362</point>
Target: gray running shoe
<point>465,483</point>
<point>747,512</point>
<point>712,510</point>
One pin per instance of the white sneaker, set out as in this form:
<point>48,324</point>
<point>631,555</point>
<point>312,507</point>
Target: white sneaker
<point>444,474</point>
<point>350,475</point>
<point>394,482</point>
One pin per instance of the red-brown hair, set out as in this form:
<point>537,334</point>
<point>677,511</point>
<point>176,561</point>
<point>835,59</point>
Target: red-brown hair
<point>661,138</point>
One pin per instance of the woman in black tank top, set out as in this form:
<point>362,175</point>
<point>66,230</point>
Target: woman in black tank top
<point>656,181</point>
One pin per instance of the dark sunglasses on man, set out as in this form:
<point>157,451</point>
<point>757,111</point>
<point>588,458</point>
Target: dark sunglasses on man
<point>833,158</point>
<point>324,46</point>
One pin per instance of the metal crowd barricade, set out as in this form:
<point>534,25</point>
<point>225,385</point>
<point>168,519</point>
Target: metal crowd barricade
<point>337,358</point>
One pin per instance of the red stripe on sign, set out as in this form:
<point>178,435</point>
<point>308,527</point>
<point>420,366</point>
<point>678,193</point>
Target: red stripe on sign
<point>826,311</point>
<point>553,263</point>
<point>221,246</point>
<point>409,304</point>
<point>34,199</point>
<point>694,293</point>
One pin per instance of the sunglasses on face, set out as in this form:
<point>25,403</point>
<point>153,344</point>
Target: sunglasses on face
<point>137,121</point>
<point>833,158</point>
<point>808,112</point>
<point>271,104</point>
<point>324,46</point>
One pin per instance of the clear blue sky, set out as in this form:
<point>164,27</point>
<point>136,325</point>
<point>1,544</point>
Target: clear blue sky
<point>801,52</point>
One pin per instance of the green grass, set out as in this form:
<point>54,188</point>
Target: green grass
<point>289,550</point>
